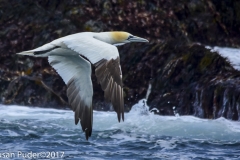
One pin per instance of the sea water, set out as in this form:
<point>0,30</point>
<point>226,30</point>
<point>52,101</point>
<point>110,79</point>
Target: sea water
<point>42,133</point>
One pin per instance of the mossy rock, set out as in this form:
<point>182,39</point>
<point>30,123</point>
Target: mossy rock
<point>206,61</point>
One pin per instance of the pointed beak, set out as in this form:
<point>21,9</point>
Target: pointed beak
<point>137,39</point>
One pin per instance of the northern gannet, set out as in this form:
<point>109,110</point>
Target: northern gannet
<point>70,56</point>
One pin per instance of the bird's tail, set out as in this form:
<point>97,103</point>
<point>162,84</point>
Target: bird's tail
<point>26,53</point>
<point>42,51</point>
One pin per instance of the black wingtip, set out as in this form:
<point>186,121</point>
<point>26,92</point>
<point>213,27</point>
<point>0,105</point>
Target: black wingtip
<point>76,121</point>
<point>119,117</point>
<point>86,136</point>
<point>88,133</point>
<point>122,109</point>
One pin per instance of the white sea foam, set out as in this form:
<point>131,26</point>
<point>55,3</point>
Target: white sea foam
<point>232,54</point>
<point>136,123</point>
<point>141,135</point>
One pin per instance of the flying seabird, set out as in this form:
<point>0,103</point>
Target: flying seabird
<point>70,56</point>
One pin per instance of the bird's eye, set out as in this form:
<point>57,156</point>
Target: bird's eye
<point>130,37</point>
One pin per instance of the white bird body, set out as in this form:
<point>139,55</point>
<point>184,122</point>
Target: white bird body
<point>67,56</point>
<point>80,43</point>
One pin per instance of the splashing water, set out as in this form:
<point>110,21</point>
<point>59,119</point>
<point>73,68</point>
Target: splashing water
<point>141,135</point>
<point>232,54</point>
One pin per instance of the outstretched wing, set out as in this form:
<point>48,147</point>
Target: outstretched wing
<point>109,75</point>
<point>108,70</point>
<point>76,73</point>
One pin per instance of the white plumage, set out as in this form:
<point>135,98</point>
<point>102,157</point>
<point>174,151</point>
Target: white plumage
<point>67,56</point>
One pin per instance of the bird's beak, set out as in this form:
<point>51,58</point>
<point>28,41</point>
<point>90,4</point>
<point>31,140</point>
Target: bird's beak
<point>137,39</point>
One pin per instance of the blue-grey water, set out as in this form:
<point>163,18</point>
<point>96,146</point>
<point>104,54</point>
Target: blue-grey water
<point>40,133</point>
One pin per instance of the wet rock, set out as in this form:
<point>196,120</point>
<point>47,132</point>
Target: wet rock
<point>194,81</point>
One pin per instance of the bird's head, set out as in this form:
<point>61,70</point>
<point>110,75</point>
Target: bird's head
<point>119,38</point>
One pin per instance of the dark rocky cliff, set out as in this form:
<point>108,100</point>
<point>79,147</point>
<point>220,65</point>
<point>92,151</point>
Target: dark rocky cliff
<point>182,72</point>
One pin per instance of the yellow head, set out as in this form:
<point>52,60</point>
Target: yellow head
<point>118,37</point>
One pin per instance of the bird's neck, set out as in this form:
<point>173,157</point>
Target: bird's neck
<point>105,37</point>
